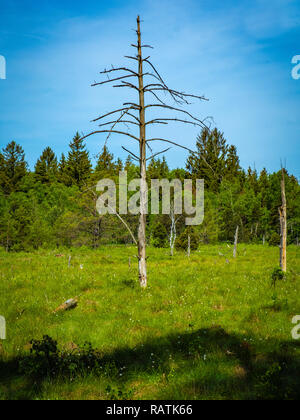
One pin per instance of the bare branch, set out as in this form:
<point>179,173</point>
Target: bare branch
<point>155,71</point>
<point>110,131</point>
<point>179,110</point>
<point>114,124</point>
<point>112,80</point>
<point>180,94</point>
<point>159,153</point>
<point>133,105</point>
<point>114,211</point>
<point>131,58</point>
<point>142,46</point>
<point>172,142</point>
<point>113,112</point>
<point>161,121</point>
<point>121,121</point>
<point>126,84</point>
<point>132,154</point>
<point>119,69</point>
<point>156,97</point>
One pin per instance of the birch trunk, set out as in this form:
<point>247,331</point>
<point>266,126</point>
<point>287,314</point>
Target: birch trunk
<point>143,189</point>
<point>283,226</point>
<point>236,238</point>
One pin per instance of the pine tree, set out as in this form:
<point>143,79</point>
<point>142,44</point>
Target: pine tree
<point>46,166</point>
<point>105,164</point>
<point>14,167</point>
<point>78,166</point>
<point>233,168</point>
<point>209,163</point>
<point>119,165</point>
<point>158,169</point>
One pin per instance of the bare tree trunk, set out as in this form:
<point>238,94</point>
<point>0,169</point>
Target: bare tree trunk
<point>189,246</point>
<point>143,190</point>
<point>264,240</point>
<point>128,110</point>
<point>173,233</point>
<point>236,238</point>
<point>283,225</point>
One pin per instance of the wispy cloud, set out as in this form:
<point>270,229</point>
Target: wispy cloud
<point>230,53</point>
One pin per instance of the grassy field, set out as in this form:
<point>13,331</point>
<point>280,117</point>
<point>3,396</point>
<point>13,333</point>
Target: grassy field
<point>208,327</point>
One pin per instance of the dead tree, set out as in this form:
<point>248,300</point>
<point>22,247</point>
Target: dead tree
<point>189,247</point>
<point>283,224</point>
<point>173,229</point>
<point>134,115</point>
<point>236,238</point>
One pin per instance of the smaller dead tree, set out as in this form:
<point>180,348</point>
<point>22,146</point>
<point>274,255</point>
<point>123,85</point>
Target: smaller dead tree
<point>283,224</point>
<point>189,246</point>
<point>236,238</point>
<point>173,230</point>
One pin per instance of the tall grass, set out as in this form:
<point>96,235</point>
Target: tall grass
<point>207,327</point>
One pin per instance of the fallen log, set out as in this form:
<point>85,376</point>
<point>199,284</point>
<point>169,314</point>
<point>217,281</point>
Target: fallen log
<point>69,304</point>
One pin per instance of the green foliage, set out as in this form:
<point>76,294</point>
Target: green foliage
<point>46,360</point>
<point>182,241</point>
<point>78,166</point>
<point>159,236</point>
<point>106,167</point>
<point>214,160</point>
<point>277,275</point>
<point>46,166</point>
<point>56,204</point>
<point>13,168</point>
<point>274,239</point>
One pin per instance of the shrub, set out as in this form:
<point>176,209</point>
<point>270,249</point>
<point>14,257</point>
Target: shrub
<point>46,360</point>
<point>277,275</point>
<point>182,240</point>
<point>160,236</point>
<point>274,239</point>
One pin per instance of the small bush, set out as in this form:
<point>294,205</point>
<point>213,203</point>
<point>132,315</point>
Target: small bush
<point>277,275</point>
<point>46,360</point>
<point>160,236</point>
<point>274,239</point>
<point>182,240</point>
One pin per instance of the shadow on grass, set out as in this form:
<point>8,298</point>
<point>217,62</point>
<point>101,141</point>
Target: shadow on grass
<point>202,364</point>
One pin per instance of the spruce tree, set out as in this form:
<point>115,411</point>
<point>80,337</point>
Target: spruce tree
<point>14,167</point>
<point>46,166</point>
<point>233,168</point>
<point>105,164</point>
<point>209,162</point>
<point>78,167</point>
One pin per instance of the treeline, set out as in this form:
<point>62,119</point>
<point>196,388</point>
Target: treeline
<point>55,205</point>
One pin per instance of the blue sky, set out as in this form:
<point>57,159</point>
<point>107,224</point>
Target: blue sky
<point>236,53</point>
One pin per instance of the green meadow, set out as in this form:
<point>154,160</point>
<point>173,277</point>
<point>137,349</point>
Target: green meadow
<point>207,327</point>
